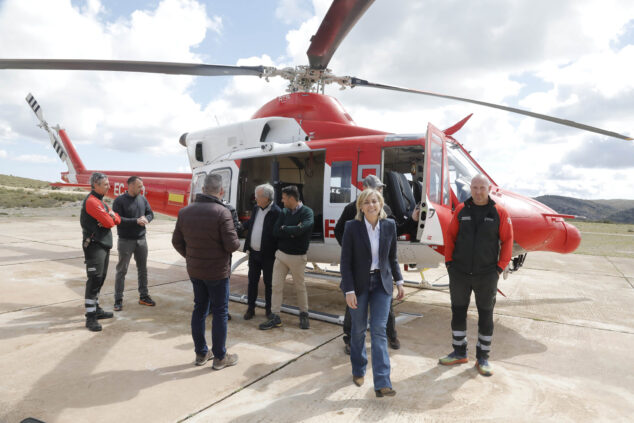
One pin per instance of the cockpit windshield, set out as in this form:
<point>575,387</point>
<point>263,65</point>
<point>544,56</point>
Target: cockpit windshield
<point>461,171</point>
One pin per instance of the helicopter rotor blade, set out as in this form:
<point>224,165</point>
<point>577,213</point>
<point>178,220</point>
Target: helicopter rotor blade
<point>171,68</point>
<point>356,82</point>
<point>339,20</point>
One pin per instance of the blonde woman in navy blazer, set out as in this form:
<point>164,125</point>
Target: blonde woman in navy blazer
<point>368,267</point>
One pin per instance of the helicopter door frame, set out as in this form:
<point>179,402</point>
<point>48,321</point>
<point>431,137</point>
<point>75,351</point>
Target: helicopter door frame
<point>436,185</point>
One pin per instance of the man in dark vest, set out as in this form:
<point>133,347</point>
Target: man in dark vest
<point>96,220</point>
<point>136,214</point>
<point>261,246</point>
<point>477,249</point>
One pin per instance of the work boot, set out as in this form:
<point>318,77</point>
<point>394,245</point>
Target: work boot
<point>395,344</point>
<point>91,322</point>
<point>228,360</point>
<point>452,358</point>
<point>483,366</point>
<point>103,314</point>
<point>303,320</point>
<point>385,392</point>
<point>146,300</point>
<point>248,315</point>
<point>273,322</point>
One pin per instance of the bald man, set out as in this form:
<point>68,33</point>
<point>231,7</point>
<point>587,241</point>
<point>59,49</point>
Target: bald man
<point>477,250</point>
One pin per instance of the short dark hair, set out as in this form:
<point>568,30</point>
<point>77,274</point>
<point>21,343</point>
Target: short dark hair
<point>291,191</point>
<point>133,179</point>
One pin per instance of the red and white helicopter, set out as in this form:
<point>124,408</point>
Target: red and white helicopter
<point>306,138</point>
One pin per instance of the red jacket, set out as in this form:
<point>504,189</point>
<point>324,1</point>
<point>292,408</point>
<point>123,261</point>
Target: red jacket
<point>96,221</point>
<point>481,247</point>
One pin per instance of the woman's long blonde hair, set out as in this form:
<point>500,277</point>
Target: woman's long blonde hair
<point>361,199</point>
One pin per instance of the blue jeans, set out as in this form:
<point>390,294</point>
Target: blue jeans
<point>214,295</point>
<point>379,302</point>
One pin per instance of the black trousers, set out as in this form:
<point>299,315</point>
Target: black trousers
<point>259,264</point>
<point>96,259</point>
<point>485,289</point>
<point>390,327</point>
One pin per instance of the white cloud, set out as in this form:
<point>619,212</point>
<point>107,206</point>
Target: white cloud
<point>3,154</point>
<point>507,51</point>
<point>34,158</point>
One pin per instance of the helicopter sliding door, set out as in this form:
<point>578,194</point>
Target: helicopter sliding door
<point>436,187</point>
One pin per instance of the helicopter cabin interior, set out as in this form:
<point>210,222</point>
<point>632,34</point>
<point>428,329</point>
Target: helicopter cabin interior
<point>303,169</point>
<point>403,178</point>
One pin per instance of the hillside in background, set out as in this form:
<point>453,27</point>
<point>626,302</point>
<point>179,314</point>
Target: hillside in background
<point>616,211</point>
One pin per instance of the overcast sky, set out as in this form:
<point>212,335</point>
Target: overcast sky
<point>571,59</point>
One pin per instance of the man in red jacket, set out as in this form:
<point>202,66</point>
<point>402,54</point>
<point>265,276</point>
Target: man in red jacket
<point>477,249</point>
<point>206,236</point>
<point>96,219</point>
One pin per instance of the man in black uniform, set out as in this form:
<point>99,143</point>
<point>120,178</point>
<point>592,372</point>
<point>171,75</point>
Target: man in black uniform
<point>349,212</point>
<point>96,220</point>
<point>136,214</point>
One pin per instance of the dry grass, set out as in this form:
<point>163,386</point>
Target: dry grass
<point>21,197</point>
<point>606,239</point>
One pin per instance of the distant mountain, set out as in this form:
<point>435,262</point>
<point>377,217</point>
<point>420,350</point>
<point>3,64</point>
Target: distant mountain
<point>617,211</point>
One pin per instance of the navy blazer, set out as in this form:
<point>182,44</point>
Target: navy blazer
<point>356,257</point>
<point>268,246</point>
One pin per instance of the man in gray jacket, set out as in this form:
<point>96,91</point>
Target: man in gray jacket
<point>205,235</point>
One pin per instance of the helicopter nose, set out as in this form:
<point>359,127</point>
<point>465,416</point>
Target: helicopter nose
<point>567,239</point>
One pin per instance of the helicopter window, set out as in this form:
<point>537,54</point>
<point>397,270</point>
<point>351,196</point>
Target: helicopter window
<point>340,182</point>
<point>461,171</point>
<point>199,151</point>
<point>435,169</point>
<point>226,181</point>
<point>198,185</point>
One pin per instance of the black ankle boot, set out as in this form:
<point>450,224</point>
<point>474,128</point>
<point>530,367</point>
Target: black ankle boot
<point>91,322</point>
<point>103,314</point>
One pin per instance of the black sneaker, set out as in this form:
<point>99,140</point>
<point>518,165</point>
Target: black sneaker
<point>395,344</point>
<point>303,320</point>
<point>103,314</point>
<point>273,322</point>
<point>146,300</point>
<point>118,305</point>
<point>346,349</point>
<point>249,314</point>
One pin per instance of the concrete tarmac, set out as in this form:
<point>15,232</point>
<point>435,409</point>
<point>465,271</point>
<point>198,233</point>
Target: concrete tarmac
<point>561,347</point>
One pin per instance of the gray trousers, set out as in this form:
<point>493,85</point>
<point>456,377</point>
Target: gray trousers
<point>127,248</point>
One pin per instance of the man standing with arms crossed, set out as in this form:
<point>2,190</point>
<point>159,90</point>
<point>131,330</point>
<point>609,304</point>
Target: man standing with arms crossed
<point>136,214</point>
<point>206,236</point>
<point>96,219</point>
<point>478,248</point>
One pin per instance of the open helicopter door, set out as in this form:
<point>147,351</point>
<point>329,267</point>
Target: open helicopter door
<point>436,186</point>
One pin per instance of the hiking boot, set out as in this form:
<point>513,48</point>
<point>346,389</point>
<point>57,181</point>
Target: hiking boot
<point>346,349</point>
<point>228,360</point>
<point>103,314</point>
<point>146,300</point>
<point>395,344</point>
<point>385,392</point>
<point>249,314</point>
<point>201,359</point>
<point>483,366</point>
<point>452,358</point>
<point>303,320</point>
<point>91,322</point>
<point>273,322</point>
<point>118,305</point>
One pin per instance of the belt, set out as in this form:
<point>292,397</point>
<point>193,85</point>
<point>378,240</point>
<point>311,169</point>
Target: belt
<point>375,272</point>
